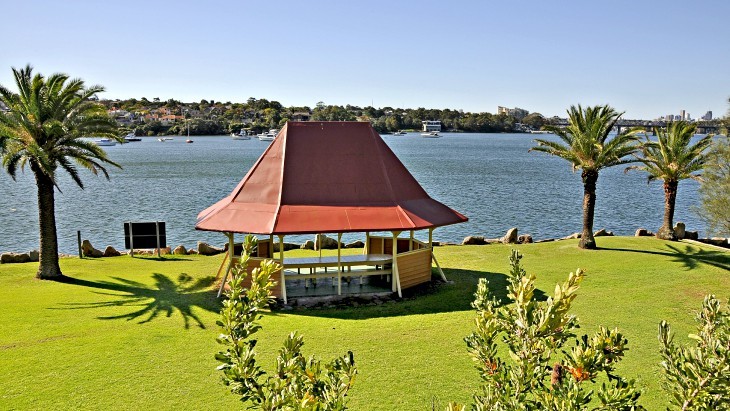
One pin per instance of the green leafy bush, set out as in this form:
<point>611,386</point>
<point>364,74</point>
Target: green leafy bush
<point>698,377</point>
<point>540,372</point>
<point>298,383</point>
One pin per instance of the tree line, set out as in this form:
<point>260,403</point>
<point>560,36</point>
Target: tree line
<point>210,117</point>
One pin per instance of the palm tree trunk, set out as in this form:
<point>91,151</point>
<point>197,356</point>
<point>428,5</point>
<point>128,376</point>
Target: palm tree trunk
<point>48,269</point>
<point>589,205</point>
<point>666,232</point>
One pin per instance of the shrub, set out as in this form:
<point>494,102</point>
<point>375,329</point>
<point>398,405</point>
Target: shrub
<point>298,383</point>
<point>540,373</point>
<point>698,377</point>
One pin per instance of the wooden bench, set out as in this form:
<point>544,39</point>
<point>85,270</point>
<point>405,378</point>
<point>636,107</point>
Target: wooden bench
<point>364,264</point>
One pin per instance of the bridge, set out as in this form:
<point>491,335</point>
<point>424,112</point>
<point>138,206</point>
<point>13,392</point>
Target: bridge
<point>703,127</point>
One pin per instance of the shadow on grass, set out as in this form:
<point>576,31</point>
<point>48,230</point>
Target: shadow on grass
<point>161,258</point>
<point>163,298</point>
<point>432,298</point>
<point>687,255</point>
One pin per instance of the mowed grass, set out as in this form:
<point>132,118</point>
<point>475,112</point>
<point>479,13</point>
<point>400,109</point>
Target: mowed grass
<point>139,333</point>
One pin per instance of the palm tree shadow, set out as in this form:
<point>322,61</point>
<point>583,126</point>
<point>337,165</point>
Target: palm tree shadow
<point>435,297</point>
<point>163,298</point>
<point>689,256</point>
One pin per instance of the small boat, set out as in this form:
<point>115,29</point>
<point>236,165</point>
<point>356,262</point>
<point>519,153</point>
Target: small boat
<point>163,139</point>
<point>270,136</point>
<point>241,135</point>
<point>399,133</point>
<point>131,137</point>
<point>105,142</point>
<point>540,132</point>
<point>189,141</point>
<point>432,134</point>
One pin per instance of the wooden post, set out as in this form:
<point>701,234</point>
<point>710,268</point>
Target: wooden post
<point>410,242</point>
<point>78,240</point>
<point>339,264</point>
<point>395,286</point>
<point>366,250</point>
<point>433,256</point>
<point>131,240</point>
<point>319,246</point>
<point>270,254</point>
<point>281,261</point>
<point>229,256</point>
<point>157,235</point>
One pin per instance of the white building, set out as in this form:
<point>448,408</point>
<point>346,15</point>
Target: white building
<point>430,125</point>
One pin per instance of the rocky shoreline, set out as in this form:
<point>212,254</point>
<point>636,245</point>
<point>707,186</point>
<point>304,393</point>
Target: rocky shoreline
<point>511,237</point>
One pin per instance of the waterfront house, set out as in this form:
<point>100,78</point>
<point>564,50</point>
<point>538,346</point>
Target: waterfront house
<point>430,125</point>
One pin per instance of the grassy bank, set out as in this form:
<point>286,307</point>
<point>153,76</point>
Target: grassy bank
<point>139,333</point>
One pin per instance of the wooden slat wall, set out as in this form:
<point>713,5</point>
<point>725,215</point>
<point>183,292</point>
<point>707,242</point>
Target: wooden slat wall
<point>256,262</point>
<point>384,245</point>
<point>414,268</point>
<point>264,249</point>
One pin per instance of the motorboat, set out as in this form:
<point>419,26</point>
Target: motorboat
<point>399,133</point>
<point>105,142</point>
<point>189,141</point>
<point>432,134</point>
<point>270,136</point>
<point>163,139</point>
<point>131,137</point>
<point>241,135</point>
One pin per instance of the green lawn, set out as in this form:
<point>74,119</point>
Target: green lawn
<point>140,333</point>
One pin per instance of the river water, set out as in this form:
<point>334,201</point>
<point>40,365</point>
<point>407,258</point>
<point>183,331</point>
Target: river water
<point>491,178</point>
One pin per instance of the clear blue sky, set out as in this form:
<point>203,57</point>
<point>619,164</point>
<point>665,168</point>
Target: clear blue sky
<point>647,58</point>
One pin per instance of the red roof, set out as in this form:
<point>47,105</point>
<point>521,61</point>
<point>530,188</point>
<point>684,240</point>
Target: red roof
<point>326,177</point>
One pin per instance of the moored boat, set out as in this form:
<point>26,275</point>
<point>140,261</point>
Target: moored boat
<point>131,137</point>
<point>270,136</point>
<point>432,134</point>
<point>241,135</point>
<point>105,142</point>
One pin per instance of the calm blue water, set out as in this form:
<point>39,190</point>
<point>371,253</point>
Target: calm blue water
<point>491,178</point>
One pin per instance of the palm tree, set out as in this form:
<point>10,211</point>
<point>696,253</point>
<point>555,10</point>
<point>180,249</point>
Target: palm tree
<point>672,158</point>
<point>42,129</point>
<point>586,146</point>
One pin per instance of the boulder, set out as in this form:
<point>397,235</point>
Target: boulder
<point>180,250</point>
<point>691,235</point>
<point>474,240</point>
<point>192,251</point>
<point>355,244</point>
<point>643,232</point>
<point>207,249</point>
<point>34,256</point>
<point>88,250</point>
<point>12,258</point>
<point>110,251</point>
<point>603,233</point>
<point>308,245</point>
<point>573,236</point>
<point>163,251</point>
<point>525,239</point>
<point>326,242</point>
<point>510,237</point>
<point>680,230</point>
